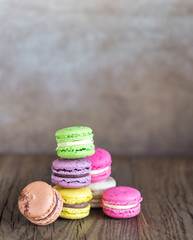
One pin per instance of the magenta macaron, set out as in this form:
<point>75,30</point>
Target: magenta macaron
<point>101,165</point>
<point>121,202</point>
<point>71,173</point>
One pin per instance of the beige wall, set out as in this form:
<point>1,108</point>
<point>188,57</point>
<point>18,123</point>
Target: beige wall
<point>125,68</point>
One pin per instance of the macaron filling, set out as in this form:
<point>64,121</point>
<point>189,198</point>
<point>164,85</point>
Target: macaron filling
<point>120,206</point>
<point>78,205</point>
<point>81,142</point>
<point>71,176</point>
<point>92,172</point>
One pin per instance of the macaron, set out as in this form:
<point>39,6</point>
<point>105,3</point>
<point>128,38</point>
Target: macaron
<point>75,142</point>
<point>75,202</point>
<point>97,189</point>
<point>71,173</point>
<point>40,203</point>
<point>101,165</point>
<point>121,202</point>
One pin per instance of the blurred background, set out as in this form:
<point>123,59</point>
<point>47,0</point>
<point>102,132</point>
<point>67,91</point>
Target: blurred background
<point>124,68</point>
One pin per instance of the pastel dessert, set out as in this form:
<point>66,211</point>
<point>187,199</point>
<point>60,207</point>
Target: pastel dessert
<point>121,202</point>
<point>75,202</point>
<point>71,173</point>
<point>101,165</point>
<point>75,142</point>
<point>40,203</point>
<point>97,189</point>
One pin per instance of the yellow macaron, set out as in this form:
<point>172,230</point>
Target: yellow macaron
<point>75,202</point>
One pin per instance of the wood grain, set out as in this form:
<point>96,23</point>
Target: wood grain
<point>165,184</point>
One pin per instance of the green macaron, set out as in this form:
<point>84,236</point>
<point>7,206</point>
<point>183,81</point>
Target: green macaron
<point>75,142</point>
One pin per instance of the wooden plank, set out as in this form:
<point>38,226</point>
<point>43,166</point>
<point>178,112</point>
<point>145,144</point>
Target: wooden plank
<point>165,184</point>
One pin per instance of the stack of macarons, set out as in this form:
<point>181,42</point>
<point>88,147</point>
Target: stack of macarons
<point>82,179</point>
<point>71,171</point>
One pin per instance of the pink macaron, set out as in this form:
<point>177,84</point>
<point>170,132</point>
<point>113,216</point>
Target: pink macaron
<point>101,165</point>
<point>121,202</point>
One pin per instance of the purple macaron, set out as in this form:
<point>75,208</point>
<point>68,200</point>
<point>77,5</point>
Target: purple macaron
<point>71,173</point>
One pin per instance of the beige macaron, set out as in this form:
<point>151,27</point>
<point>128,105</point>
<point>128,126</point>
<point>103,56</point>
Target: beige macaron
<point>40,203</point>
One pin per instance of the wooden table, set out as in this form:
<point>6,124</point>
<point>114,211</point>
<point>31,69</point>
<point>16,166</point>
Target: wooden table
<point>167,209</point>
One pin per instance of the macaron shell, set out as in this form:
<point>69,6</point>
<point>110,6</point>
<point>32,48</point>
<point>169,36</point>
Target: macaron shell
<point>77,151</point>
<point>75,213</point>
<point>73,134</point>
<point>71,182</point>
<point>69,167</point>
<point>122,196</point>
<point>53,215</point>
<point>36,200</point>
<point>101,176</point>
<point>100,159</point>
<point>96,203</point>
<point>122,213</point>
<point>99,187</point>
<point>74,195</point>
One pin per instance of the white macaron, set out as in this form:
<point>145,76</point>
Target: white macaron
<point>97,189</point>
